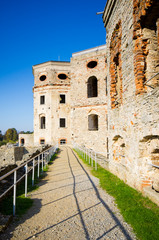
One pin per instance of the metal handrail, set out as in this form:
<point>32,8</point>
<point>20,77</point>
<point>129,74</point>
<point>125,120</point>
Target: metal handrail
<point>22,165</point>
<point>153,165</point>
<point>151,78</point>
<point>88,154</point>
<point>45,159</point>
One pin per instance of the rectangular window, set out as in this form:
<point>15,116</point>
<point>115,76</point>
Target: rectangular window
<point>62,122</point>
<point>42,123</point>
<point>62,98</point>
<point>42,99</point>
<point>62,141</point>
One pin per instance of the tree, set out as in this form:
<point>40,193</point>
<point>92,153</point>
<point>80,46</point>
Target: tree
<point>11,134</point>
<point>15,134</point>
<point>1,136</point>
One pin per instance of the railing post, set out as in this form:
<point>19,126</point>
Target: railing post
<point>95,162</point>
<point>38,167</point>
<point>42,162</point>
<point>26,179</point>
<point>33,172</point>
<point>14,193</point>
<point>92,158</point>
<point>86,154</point>
<point>89,156</point>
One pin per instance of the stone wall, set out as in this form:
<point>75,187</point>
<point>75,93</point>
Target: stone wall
<point>89,98</point>
<point>133,127</point>
<point>56,83</point>
<point>15,156</point>
<point>26,139</point>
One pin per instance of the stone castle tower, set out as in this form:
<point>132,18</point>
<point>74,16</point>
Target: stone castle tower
<point>106,98</point>
<point>70,100</point>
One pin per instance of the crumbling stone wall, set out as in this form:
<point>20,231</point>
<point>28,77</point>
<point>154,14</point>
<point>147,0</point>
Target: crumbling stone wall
<point>116,66</point>
<point>146,63</point>
<point>136,118</point>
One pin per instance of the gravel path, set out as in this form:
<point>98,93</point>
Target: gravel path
<point>70,205</point>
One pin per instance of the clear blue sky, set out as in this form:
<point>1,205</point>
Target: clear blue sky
<point>35,31</point>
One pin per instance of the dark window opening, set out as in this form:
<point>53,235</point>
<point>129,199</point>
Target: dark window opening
<point>118,79</point>
<point>42,141</point>
<point>62,141</point>
<point>42,78</point>
<point>62,98</point>
<point>93,122</point>
<point>62,76</point>
<point>92,64</point>
<point>22,141</point>
<point>92,88</point>
<point>62,122</point>
<point>42,122</point>
<point>42,99</point>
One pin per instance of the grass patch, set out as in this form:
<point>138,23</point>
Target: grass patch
<point>53,157</point>
<point>140,212</point>
<point>22,203</point>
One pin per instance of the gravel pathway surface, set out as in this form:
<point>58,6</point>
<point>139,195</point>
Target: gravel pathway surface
<point>70,205</point>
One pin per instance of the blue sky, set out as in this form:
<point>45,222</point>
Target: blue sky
<point>35,31</point>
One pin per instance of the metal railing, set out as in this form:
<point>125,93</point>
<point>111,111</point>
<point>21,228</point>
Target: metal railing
<point>153,165</point>
<point>42,159</point>
<point>88,154</point>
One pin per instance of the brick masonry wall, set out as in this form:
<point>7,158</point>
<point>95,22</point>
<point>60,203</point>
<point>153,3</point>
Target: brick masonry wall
<point>115,52</point>
<point>145,52</point>
<point>136,120</point>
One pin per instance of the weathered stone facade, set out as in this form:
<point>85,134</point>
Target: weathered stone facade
<point>104,98</point>
<point>133,127</point>
<point>52,83</point>
<point>84,106</point>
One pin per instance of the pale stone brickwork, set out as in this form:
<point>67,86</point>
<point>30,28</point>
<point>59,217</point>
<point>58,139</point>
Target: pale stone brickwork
<point>133,127</point>
<point>26,139</point>
<point>109,106</point>
<point>83,106</point>
<point>50,107</point>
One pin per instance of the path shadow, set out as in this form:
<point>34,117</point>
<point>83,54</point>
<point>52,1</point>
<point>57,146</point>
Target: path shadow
<point>18,220</point>
<point>117,221</point>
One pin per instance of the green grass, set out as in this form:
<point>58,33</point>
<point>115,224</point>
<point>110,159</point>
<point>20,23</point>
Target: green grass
<point>23,203</point>
<point>141,213</point>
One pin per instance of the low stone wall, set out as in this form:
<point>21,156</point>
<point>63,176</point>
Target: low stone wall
<point>26,140</point>
<point>15,156</point>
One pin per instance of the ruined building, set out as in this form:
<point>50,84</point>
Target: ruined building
<point>107,97</point>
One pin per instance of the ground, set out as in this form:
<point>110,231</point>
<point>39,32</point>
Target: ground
<point>70,204</point>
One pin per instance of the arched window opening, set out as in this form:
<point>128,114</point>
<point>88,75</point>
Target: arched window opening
<point>42,141</point>
<point>42,123</point>
<point>62,141</point>
<point>92,88</point>
<point>22,141</point>
<point>93,122</point>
